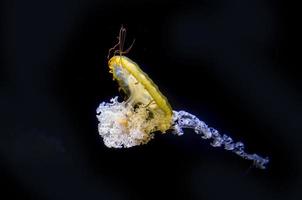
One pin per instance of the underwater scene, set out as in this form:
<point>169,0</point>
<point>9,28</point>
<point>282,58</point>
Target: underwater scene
<point>135,100</point>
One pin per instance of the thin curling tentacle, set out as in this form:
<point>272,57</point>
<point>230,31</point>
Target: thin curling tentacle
<point>118,48</point>
<point>183,119</point>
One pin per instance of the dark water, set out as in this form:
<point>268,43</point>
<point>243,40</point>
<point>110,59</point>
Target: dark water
<point>234,64</point>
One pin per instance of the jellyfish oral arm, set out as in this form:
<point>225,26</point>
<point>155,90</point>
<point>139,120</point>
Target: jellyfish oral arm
<point>121,126</point>
<point>183,119</point>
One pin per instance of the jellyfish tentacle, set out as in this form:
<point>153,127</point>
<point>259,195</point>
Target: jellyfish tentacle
<point>183,119</point>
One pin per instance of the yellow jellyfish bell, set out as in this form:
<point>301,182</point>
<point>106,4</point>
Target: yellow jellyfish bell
<point>141,90</point>
<point>132,122</point>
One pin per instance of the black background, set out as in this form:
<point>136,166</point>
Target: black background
<point>235,64</point>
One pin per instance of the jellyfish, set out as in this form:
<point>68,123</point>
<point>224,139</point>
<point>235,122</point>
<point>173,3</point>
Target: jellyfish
<point>146,110</point>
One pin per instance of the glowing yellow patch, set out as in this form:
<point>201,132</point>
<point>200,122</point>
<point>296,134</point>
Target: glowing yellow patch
<point>141,91</point>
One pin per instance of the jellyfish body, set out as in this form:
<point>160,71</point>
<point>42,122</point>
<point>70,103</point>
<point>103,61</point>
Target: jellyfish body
<point>141,90</point>
<point>146,109</point>
<point>133,122</point>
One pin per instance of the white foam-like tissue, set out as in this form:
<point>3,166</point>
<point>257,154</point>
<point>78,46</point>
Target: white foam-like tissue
<point>120,125</point>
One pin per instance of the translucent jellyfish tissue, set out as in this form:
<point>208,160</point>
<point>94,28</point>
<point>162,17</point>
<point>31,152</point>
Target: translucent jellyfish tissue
<point>133,122</point>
